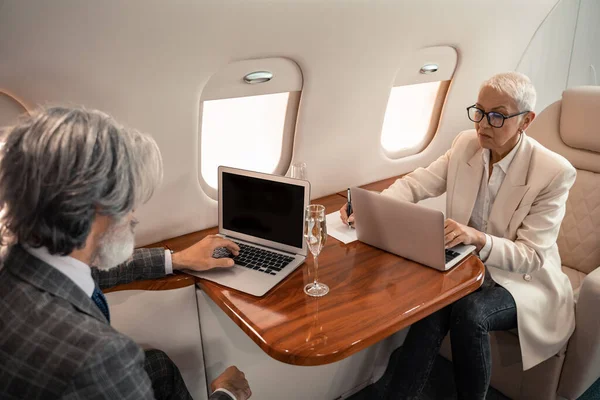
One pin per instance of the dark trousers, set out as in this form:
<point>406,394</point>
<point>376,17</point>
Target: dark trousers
<point>166,379</point>
<point>490,308</point>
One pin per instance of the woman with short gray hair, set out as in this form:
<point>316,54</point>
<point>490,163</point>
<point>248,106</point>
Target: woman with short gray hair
<point>506,195</point>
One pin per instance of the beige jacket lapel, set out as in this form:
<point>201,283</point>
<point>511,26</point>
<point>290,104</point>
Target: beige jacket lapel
<point>512,190</point>
<point>467,182</point>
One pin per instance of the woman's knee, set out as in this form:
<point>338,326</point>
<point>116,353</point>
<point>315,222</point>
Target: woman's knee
<point>468,313</point>
<point>437,323</point>
<point>485,311</point>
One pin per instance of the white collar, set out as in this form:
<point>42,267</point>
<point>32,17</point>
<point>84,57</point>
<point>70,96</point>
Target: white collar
<point>507,160</point>
<point>77,271</point>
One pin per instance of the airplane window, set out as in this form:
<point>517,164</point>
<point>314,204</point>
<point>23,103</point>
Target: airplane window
<point>10,109</point>
<point>411,117</point>
<point>243,132</point>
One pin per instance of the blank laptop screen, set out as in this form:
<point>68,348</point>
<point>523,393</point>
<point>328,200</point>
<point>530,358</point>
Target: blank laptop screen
<point>262,208</point>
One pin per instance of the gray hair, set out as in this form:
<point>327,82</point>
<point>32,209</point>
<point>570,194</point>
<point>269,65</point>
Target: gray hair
<point>61,166</point>
<point>517,85</point>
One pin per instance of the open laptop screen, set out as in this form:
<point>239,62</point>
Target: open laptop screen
<point>262,208</point>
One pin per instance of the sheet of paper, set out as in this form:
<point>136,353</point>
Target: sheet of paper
<point>339,230</point>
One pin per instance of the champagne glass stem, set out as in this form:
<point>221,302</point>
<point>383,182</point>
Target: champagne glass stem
<point>316,262</point>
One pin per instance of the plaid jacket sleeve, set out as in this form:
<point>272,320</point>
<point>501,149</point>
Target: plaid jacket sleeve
<point>115,371</point>
<point>143,264</point>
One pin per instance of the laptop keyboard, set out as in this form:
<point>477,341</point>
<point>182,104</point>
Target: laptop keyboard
<point>256,258</point>
<point>451,255</point>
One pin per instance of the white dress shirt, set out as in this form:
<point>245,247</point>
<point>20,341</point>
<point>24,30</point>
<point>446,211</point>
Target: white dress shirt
<point>488,190</point>
<point>227,392</point>
<point>79,272</point>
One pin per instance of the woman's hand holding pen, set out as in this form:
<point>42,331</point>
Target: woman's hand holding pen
<point>346,213</point>
<point>344,216</point>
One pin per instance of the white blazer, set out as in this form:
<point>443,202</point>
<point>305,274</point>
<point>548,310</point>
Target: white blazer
<point>523,223</point>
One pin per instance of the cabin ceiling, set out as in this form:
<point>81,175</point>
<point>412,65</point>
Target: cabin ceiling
<point>146,63</point>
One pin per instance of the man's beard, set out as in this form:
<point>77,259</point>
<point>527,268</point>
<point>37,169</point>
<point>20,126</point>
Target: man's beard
<point>116,245</point>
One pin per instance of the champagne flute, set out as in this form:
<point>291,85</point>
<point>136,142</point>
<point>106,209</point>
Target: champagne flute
<point>298,170</point>
<point>315,234</point>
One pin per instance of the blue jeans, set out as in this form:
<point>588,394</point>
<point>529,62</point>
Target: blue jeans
<point>489,308</point>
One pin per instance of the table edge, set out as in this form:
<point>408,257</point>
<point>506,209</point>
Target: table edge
<point>313,360</point>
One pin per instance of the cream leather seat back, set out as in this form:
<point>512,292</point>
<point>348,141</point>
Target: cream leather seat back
<point>571,127</point>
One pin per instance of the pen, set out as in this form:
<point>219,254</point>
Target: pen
<point>349,206</point>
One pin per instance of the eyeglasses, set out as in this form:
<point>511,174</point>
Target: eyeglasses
<point>495,119</point>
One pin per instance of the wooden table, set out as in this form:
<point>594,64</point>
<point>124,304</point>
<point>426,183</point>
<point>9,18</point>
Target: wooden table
<point>372,295</point>
<point>378,186</point>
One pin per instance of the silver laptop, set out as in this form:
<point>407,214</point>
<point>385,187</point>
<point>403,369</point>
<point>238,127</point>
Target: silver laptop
<point>409,230</point>
<point>264,215</point>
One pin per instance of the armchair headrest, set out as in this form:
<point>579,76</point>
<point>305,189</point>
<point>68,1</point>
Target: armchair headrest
<point>580,118</point>
<point>570,127</point>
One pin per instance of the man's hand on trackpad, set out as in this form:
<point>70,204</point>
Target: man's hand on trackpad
<point>200,256</point>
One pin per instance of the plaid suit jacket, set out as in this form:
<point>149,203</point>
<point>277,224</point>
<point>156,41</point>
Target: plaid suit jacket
<point>54,341</point>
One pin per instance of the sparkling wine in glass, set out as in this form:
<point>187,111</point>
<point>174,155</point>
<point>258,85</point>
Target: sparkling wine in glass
<point>315,234</point>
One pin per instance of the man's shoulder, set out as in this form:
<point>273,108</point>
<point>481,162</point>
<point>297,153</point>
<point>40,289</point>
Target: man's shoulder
<point>46,341</point>
<point>31,312</point>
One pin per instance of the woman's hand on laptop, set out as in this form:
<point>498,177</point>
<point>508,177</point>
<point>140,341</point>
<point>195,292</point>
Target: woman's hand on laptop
<point>344,216</point>
<point>199,257</point>
<point>455,233</point>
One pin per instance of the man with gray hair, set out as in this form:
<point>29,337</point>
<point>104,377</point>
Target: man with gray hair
<point>70,181</point>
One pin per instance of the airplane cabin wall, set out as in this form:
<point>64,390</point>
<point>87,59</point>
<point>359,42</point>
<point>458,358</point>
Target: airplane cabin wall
<point>565,51</point>
<point>146,63</point>
<point>585,62</point>
<point>547,58</point>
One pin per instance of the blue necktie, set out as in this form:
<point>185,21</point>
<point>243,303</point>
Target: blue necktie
<point>100,301</point>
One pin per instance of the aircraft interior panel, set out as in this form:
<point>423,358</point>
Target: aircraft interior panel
<point>147,63</point>
<point>358,90</point>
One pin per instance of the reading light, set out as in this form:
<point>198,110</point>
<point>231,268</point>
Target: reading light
<point>258,77</point>
<point>429,68</point>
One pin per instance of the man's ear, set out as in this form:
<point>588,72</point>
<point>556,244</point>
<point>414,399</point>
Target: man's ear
<point>527,120</point>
